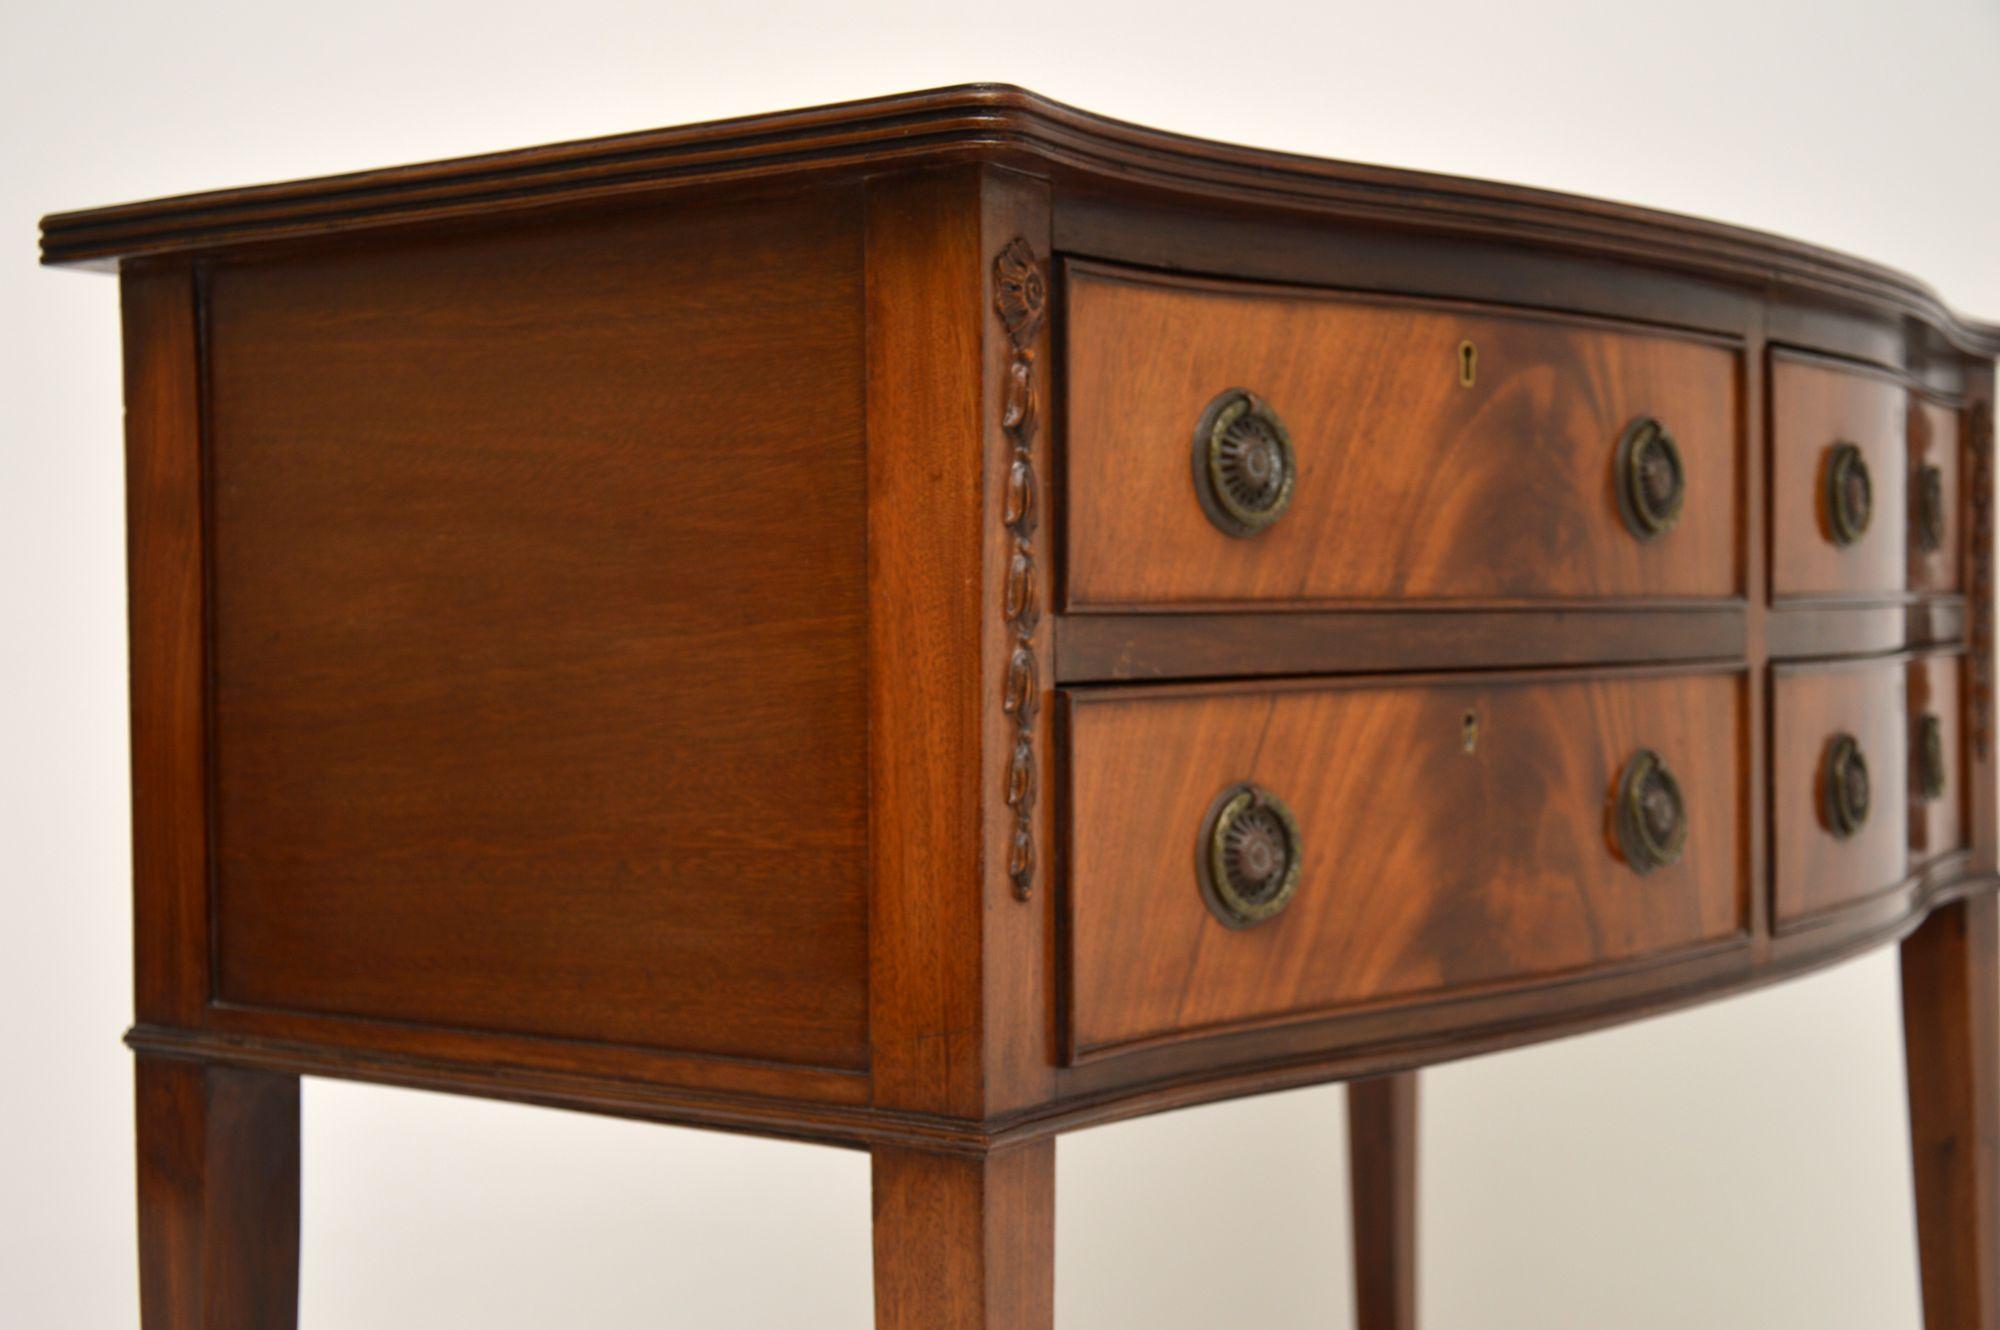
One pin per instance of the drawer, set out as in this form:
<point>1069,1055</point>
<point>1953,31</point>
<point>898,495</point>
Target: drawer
<point>1437,453</point>
<point>1938,774</point>
<point>1840,754</point>
<point>1936,520</point>
<point>1449,835</point>
<point>1839,490</point>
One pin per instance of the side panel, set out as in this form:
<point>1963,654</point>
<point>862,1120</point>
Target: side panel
<point>538,628</point>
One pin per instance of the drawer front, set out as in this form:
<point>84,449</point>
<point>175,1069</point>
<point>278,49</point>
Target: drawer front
<point>1823,717</point>
<point>1438,454</point>
<point>1839,489</point>
<point>1936,524</point>
<point>1450,835</point>
<point>1938,774</point>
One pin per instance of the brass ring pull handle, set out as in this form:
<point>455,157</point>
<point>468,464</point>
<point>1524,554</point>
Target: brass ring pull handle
<point>1927,519</point>
<point>1844,793</point>
<point>1243,464</point>
<point>1850,494</point>
<point>1649,818</point>
<point>1248,857</point>
<point>1652,484</point>
<point>1930,772</point>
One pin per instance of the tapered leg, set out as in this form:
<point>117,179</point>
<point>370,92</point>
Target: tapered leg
<point>218,1197</point>
<point>965,1242</point>
<point>1382,1182</point>
<point>1951,1037</point>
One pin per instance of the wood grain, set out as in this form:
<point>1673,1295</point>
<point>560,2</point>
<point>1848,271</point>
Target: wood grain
<point>1382,1180</point>
<point>1937,438</point>
<point>539,632</point>
<point>1816,404</point>
<point>1410,487</point>
<point>1007,125</point>
<point>218,1197</point>
<point>1110,648</point>
<point>1951,1036</point>
<point>959,961</point>
<point>1938,826</point>
<point>166,593</point>
<point>1812,868</point>
<point>965,1243</point>
<point>1427,868</point>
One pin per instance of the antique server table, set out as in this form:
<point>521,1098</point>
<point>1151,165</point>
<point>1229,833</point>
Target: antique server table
<point>924,624</point>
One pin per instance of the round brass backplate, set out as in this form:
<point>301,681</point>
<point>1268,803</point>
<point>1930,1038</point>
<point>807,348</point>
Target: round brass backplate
<point>1244,469</point>
<point>1652,484</point>
<point>1247,858</point>
<point>1649,818</point>
<point>1850,494</point>
<point>1844,791</point>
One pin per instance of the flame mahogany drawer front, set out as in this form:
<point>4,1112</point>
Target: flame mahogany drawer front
<point>1438,452</point>
<point>1448,835</point>
<point>1868,778</point>
<point>1864,484</point>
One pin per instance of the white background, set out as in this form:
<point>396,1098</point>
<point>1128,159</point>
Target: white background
<point>1739,1166</point>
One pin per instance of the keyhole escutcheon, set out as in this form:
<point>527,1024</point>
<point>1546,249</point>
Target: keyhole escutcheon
<point>1468,364</point>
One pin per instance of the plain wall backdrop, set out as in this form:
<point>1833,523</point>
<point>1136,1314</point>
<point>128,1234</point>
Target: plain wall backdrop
<point>1741,1165</point>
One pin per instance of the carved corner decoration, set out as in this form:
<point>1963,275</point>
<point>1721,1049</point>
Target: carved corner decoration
<point>1979,434</point>
<point>1020,296</point>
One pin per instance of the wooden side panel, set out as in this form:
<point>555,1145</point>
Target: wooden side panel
<point>1813,867</point>
<point>1411,485</point>
<point>1937,691</point>
<point>164,577</point>
<point>1454,836</point>
<point>1815,406</point>
<point>539,630</point>
<point>1936,440</point>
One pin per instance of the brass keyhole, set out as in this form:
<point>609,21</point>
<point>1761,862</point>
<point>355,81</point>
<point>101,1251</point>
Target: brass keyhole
<point>1468,732</point>
<point>1468,364</point>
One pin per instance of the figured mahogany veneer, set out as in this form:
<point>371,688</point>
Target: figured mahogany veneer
<point>1815,866</point>
<point>730,626</point>
<point>1413,484</point>
<point>1815,408</point>
<point>1454,837</point>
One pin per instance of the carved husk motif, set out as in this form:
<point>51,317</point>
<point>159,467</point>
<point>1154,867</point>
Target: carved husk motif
<point>1020,297</point>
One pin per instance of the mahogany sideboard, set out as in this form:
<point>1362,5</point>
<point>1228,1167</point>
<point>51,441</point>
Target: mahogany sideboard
<point>923,624</point>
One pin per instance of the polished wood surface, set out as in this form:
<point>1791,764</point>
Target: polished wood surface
<point>957,1021</point>
<point>965,1243</point>
<point>494,716</point>
<point>218,1197</point>
<point>1382,1180</point>
<point>715,626</point>
<point>1411,486</point>
<point>1814,867</point>
<point>1936,439</point>
<point>166,592</point>
<point>1816,405</point>
<point>1938,825</point>
<point>1951,1035</point>
<point>1453,835</point>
